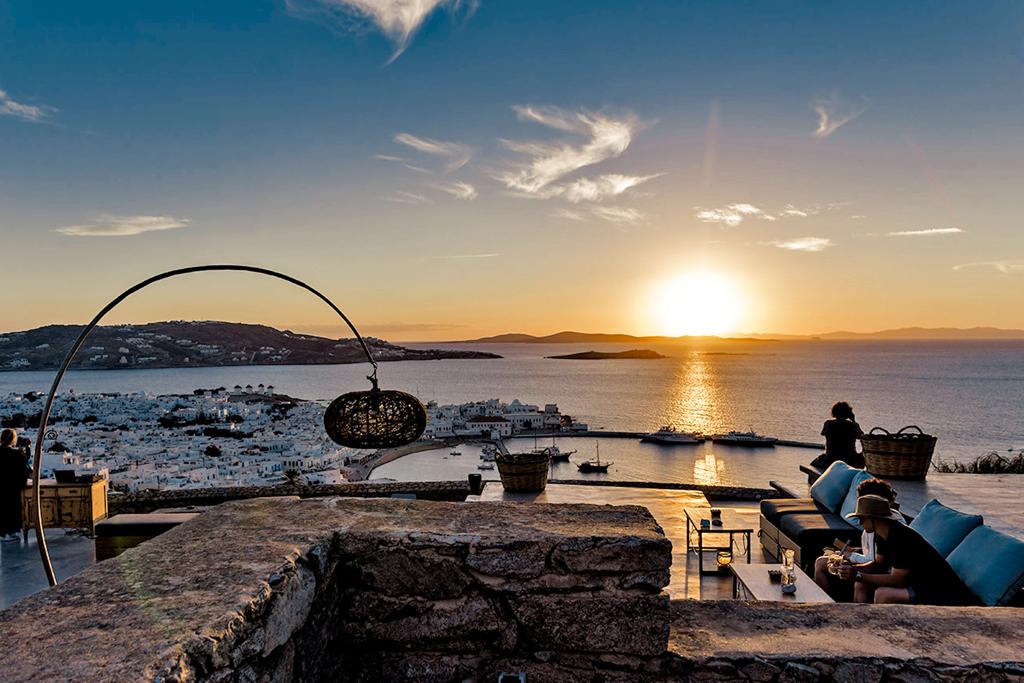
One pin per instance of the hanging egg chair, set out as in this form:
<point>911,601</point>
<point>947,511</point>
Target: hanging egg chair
<point>375,418</point>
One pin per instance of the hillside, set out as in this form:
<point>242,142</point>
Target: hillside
<point>195,344</point>
<point>633,354</point>
<point>903,333</point>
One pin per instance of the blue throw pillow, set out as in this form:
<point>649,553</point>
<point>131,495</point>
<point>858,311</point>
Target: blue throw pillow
<point>991,564</point>
<point>831,487</point>
<point>850,501</point>
<point>944,527</point>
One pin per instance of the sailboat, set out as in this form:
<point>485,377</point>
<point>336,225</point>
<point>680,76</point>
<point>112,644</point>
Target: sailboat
<point>594,465</point>
<point>553,450</point>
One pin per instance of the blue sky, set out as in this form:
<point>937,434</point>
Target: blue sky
<point>525,144</point>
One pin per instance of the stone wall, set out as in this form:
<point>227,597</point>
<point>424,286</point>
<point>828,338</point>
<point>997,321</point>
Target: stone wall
<point>360,589</point>
<point>147,501</point>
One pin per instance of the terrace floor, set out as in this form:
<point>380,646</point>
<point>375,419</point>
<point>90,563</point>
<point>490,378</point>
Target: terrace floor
<point>667,507</point>
<point>21,572</point>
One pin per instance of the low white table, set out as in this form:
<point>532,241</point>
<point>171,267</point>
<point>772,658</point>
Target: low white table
<point>751,582</point>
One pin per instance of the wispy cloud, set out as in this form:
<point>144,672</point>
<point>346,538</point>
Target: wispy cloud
<point>400,160</point>
<point>606,136</point>
<point>446,257</point>
<point>732,215</point>
<point>403,197</point>
<point>925,233</point>
<point>600,188</point>
<point>618,214</point>
<point>811,244</point>
<point>457,189</point>
<point>1008,267</point>
<point>569,215</point>
<point>123,226</point>
<point>25,112</point>
<point>457,154</point>
<point>833,113</point>
<point>397,19</point>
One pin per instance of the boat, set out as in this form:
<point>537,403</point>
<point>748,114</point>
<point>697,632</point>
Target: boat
<point>594,465</point>
<point>485,466</point>
<point>559,455</point>
<point>668,435</point>
<point>456,453</point>
<point>751,439</point>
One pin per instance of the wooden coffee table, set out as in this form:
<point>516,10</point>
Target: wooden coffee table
<point>751,582</point>
<point>732,524</point>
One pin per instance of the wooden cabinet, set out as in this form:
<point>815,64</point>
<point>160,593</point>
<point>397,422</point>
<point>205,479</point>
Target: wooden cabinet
<point>68,506</point>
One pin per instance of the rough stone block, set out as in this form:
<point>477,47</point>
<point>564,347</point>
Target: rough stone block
<point>635,624</point>
<point>616,555</point>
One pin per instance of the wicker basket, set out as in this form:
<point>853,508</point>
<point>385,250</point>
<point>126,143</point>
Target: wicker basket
<point>903,455</point>
<point>524,472</point>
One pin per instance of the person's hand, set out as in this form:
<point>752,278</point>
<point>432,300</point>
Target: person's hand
<point>846,572</point>
<point>846,553</point>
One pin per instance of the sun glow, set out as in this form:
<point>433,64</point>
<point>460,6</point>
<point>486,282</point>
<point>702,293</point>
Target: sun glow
<point>698,303</point>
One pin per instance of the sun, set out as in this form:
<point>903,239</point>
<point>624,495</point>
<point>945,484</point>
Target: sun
<point>701,302</point>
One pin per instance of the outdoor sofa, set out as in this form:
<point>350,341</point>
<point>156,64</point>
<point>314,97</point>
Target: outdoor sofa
<point>989,562</point>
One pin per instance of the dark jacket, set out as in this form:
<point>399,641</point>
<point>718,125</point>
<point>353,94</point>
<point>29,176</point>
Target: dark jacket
<point>13,477</point>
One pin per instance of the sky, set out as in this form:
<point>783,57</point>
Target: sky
<point>447,170</point>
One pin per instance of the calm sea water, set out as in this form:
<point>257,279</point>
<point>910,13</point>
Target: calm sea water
<point>969,394</point>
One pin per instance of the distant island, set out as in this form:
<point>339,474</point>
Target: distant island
<point>181,344</point>
<point>633,354</point>
<point>898,334</point>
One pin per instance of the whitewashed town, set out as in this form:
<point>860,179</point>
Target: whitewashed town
<point>243,436</point>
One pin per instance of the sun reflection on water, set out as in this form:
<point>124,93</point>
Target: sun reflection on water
<point>694,403</point>
<point>708,470</point>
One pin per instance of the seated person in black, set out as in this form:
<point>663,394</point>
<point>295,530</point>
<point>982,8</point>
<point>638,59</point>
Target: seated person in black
<point>841,434</point>
<point>918,573</point>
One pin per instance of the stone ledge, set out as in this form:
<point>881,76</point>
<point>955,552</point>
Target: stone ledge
<point>147,501</point>
<point>289,588</point>
<point>770,641</point>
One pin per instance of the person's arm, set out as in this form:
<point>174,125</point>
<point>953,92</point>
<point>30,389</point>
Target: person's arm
<point>897,578</point>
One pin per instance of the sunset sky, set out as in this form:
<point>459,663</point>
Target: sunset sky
<point>447,170</point>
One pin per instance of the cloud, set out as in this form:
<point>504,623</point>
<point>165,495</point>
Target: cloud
<point>569,214</point>
<point>1006,267</point>
<point>123,226</point>
<point>834,113</point>
<point>458,154</point>
<point>397,19</point>
<point>457,189</point>
<point>600,188</point>
<point>467,256</point>
<point>811,244</point>
<point>606,136</point>
<point>408,198</point>
<point>616,214</point>
<point>731,215</point>
<point>25,112</point>
<point>922,233</point>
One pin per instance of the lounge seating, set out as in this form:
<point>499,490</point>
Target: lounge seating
<point>989,562</point>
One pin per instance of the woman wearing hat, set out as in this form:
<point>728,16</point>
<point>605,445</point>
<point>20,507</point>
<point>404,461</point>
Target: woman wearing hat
<point>918,574</point>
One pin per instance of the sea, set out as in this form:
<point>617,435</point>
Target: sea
<point>970,394</point>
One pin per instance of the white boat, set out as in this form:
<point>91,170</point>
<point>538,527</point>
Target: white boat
<point>485,466</point>
<point>751,439</point>
<point>455,453</point>
<point>669,435</point>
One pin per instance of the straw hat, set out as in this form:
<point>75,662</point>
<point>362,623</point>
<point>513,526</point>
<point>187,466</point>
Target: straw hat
<point>876,507</point>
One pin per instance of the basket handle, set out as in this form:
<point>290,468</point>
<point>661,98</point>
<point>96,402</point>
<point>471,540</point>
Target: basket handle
<point>919,430</point>
<point>880,429</point>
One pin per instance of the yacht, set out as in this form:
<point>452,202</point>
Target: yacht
<point>669,435</point>
<point>485,466</point>
<point>751,439</point>
<point>455,453</point>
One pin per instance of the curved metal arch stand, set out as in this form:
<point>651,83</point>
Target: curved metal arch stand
<point>45,416</point>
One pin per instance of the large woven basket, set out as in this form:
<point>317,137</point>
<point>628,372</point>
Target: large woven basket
<point>903,455</point>
<point>524,472</point>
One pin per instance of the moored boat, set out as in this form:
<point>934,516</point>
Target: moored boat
<point>751,439</point>
<point>594,465</point>
<point>668,435</point>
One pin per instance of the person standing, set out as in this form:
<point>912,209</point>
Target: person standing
<point>13,477</point>
<point>841,434</point>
